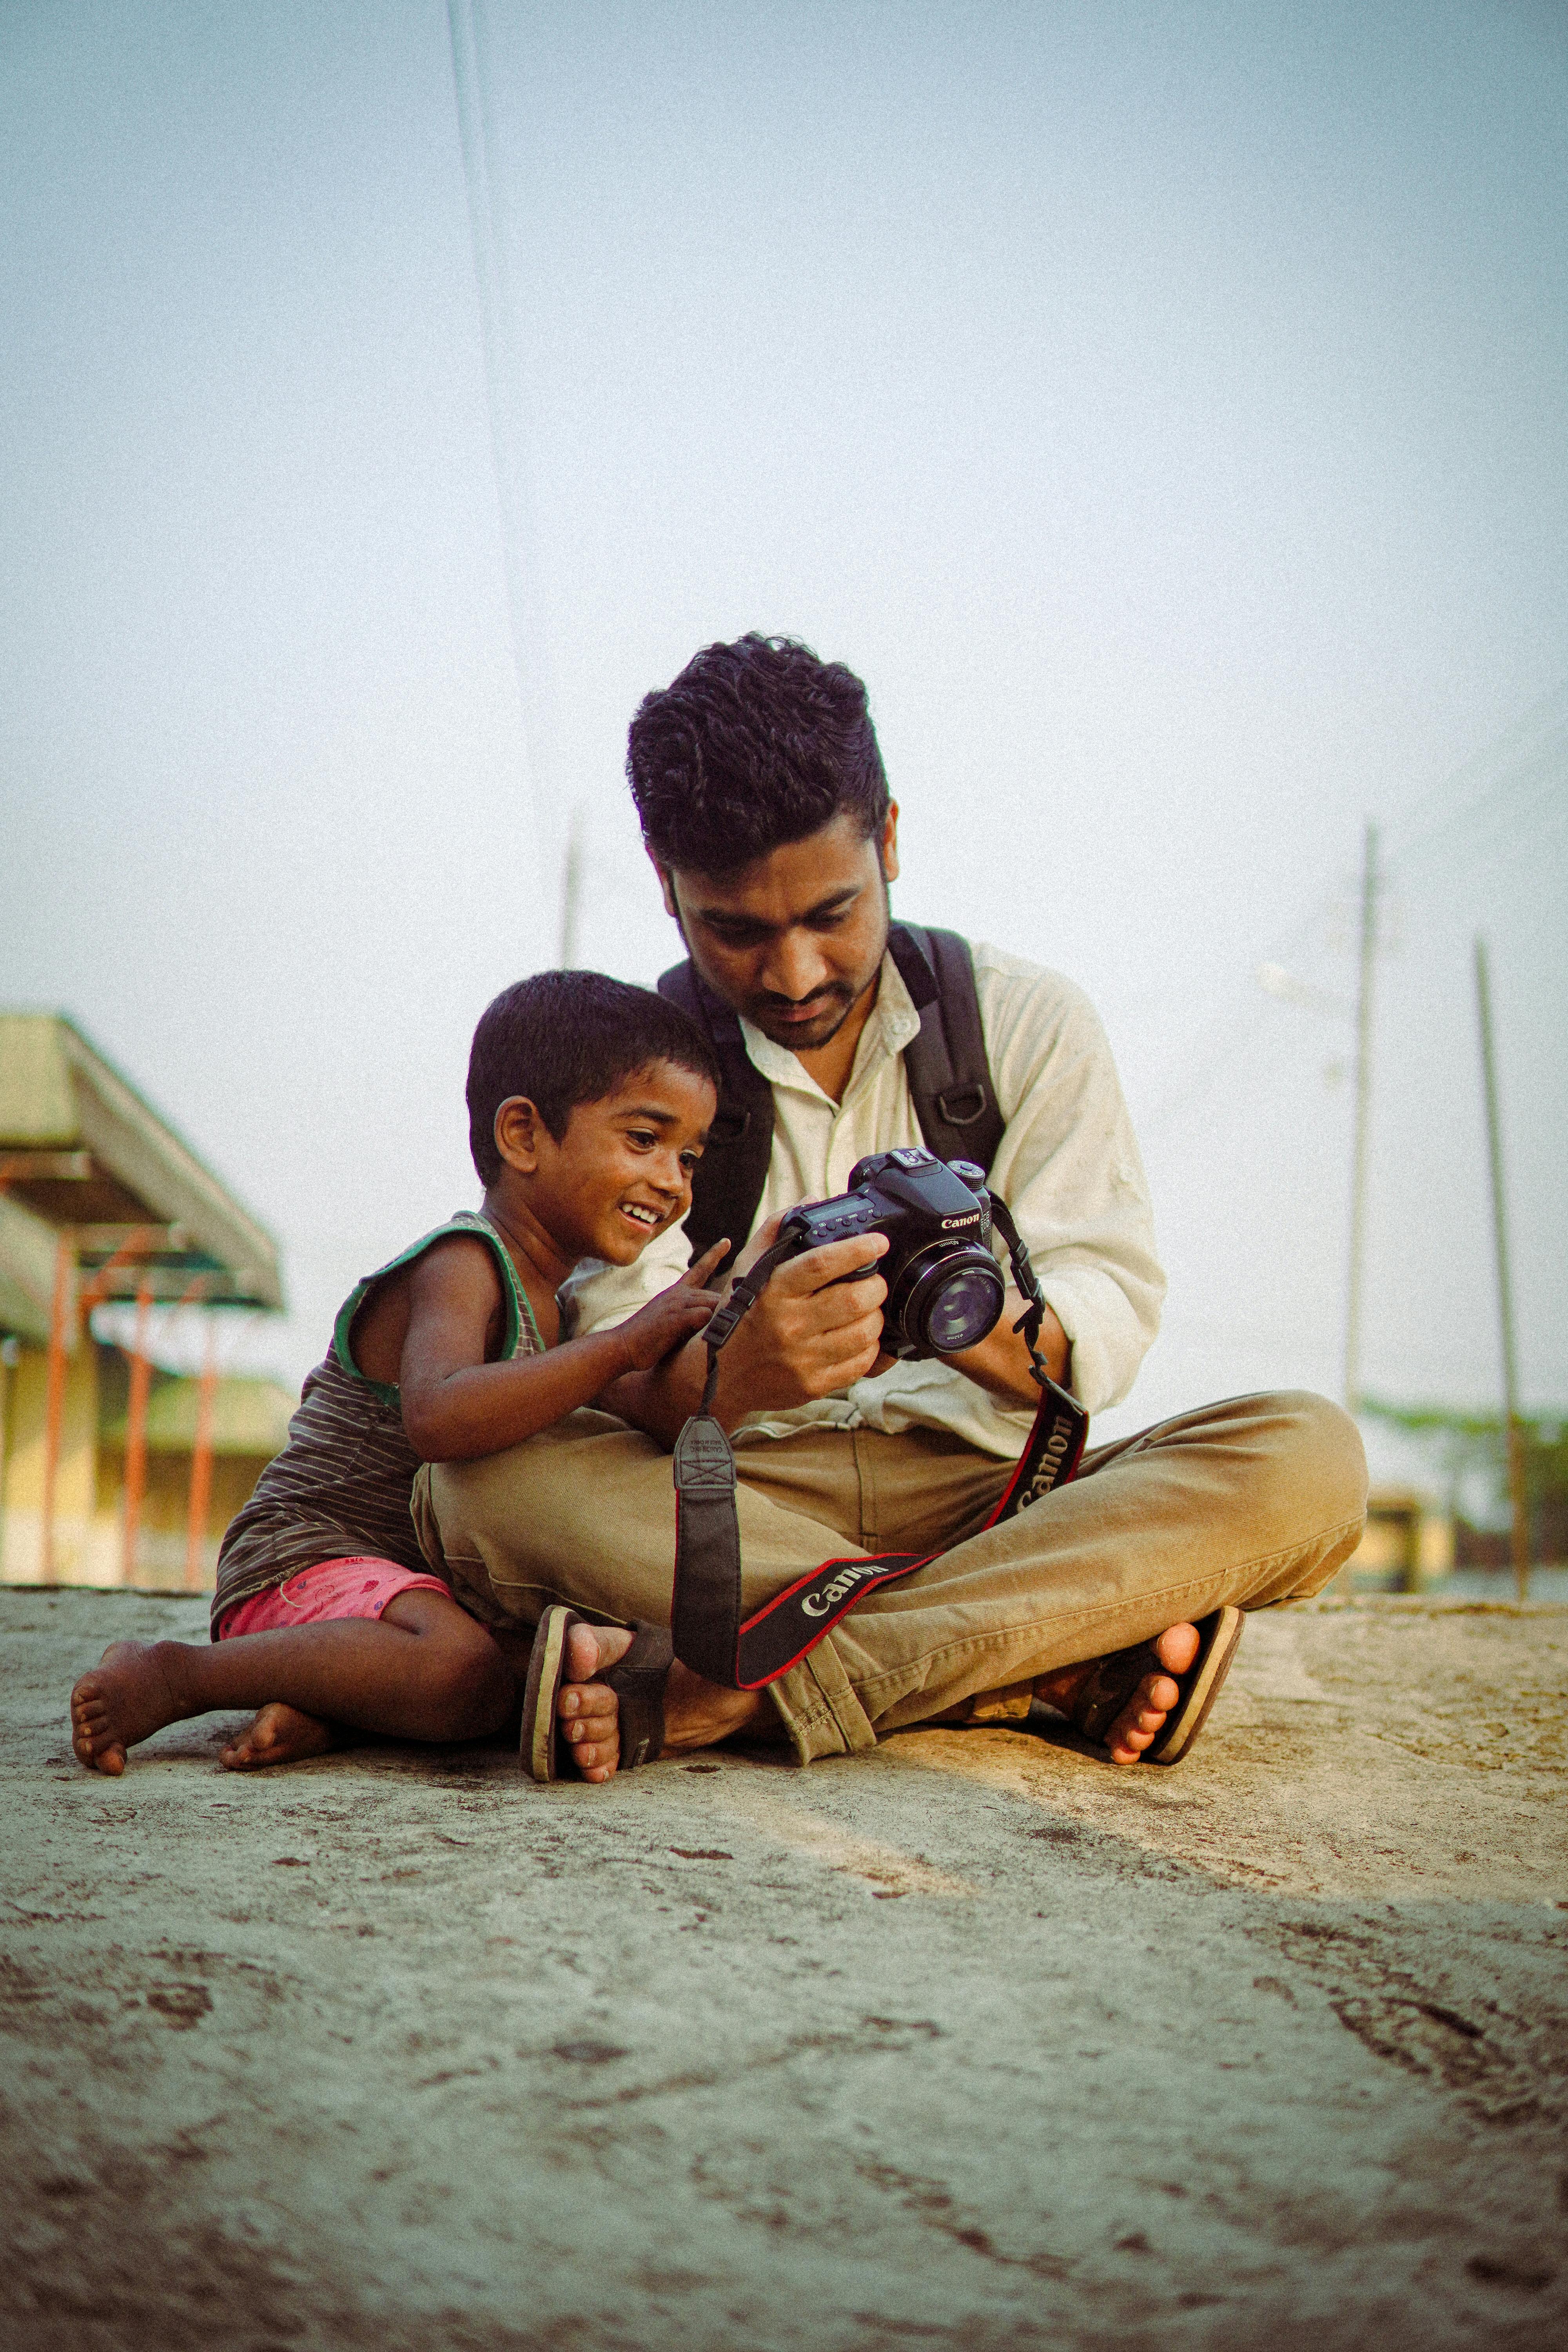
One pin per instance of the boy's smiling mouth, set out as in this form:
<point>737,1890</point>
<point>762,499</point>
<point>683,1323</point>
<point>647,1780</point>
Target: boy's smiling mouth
<point>641,1215</point>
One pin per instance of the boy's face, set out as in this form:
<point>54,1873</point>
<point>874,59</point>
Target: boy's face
<point>622,1171</point>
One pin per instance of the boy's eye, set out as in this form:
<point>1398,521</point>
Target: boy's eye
<point>643,1136</point>
<point>689,1160</point>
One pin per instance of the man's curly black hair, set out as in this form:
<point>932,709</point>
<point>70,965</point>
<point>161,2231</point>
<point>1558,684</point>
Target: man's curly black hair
<point>754,744</point>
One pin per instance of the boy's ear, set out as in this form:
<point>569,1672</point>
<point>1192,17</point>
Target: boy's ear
<point>517,1130</point>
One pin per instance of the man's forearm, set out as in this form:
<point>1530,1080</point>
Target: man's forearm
<point>1001,1366</point>
<point>659,1401</point>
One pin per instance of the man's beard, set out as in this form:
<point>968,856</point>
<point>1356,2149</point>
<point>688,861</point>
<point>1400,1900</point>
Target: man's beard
<point>837,1000</point>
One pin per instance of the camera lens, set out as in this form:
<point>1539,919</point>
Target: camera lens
<point>962,1311</point>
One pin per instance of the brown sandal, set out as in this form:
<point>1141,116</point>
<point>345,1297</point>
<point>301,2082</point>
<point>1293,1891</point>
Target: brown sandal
<point>1109,1688</point>
<point>638,1681</point>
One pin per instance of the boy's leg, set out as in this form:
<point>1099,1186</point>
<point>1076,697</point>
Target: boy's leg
<point>422,1670</point>
<point>1255,1500</point>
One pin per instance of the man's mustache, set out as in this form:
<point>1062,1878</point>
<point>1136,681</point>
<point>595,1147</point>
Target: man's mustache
<point>834,992</point>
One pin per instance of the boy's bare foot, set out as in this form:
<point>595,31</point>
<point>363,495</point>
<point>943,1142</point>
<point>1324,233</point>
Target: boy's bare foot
<point>277,1734</point>
<point>1141,1718</point>
<point>696,1713</point>
<point>126,1697</point>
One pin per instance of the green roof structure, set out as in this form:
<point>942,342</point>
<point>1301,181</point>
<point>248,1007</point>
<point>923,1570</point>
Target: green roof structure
<point>83,1156</point>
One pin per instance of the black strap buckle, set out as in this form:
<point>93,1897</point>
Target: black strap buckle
<point>946,1103</point>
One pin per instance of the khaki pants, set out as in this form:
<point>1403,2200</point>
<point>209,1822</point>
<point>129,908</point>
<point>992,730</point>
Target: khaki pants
<point>1255,1500</point>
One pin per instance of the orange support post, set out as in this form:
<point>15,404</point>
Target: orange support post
<point>136,1431</point>
<point>202,1464</point>
<point>55,1397</point>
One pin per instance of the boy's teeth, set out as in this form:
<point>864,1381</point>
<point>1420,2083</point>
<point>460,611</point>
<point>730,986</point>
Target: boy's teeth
<point>643,1216</point>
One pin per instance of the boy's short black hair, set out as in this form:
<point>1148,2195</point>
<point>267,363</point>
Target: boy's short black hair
<point>754,744</point>
<point>568,1037</point>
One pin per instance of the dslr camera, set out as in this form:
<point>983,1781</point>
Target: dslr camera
<point>945,1289</point>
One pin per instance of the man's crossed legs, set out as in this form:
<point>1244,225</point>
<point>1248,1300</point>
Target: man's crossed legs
<point>1255,1500</point>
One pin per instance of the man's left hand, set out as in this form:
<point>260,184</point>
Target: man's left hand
<point>1001,1364</point>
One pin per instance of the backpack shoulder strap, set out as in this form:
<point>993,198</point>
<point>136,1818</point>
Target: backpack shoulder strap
<point>950,1076</point>
<point>727,1188</point>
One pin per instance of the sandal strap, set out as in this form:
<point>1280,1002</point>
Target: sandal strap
<point>639,1681</point>
<point>1108,1689</point>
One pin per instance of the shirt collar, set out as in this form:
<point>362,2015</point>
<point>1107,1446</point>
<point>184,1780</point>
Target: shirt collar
<point>894,1024</point>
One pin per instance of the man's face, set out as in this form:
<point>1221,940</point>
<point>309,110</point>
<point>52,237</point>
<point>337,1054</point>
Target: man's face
<point>796,941</point>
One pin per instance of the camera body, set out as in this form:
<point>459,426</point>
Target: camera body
<point>945,1289</point>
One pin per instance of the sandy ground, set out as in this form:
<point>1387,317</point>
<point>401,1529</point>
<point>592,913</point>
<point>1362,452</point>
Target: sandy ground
<point>973,2042</point>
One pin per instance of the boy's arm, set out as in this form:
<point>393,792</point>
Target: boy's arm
<point>811,1332</point>
<point>457,1406</point>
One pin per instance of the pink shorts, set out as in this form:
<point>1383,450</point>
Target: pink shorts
<point>334,1588</point>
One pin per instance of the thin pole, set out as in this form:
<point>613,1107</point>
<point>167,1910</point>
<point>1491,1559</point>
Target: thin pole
<point>8,1356</point>
<point>1515,1427</point>
<point>202,1463</point>
<point>479,136</point>
<point>572,893</point>
<point>136,1431</point>
<point>1364,1010</point>
<point>55,1397</point>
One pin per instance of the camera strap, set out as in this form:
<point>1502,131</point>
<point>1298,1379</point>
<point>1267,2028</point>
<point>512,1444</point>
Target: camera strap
<point>709,1635</point>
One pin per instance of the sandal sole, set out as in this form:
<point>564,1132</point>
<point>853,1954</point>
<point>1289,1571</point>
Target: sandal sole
<point>1200,1685</point>
<point>546,1670</point>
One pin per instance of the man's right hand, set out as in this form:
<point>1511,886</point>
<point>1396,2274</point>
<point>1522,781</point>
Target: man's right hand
<point>809,1333</point>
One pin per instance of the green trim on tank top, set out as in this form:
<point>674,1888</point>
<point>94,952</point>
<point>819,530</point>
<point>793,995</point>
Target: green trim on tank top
<point>514,1299</point>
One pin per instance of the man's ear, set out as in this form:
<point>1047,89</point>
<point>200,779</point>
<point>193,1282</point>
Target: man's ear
<point>889,846</point>
<point>517,1129</point>
<point>667,885</point>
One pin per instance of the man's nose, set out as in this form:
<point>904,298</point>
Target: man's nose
<point>794,966</point>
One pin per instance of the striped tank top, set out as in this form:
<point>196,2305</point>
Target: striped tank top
<point>343,1484</point>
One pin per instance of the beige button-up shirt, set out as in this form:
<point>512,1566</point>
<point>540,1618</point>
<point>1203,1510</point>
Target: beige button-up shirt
<point>1069,1168</point>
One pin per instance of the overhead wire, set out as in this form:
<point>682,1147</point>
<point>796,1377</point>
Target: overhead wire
<point>479,139</point>
<point>1532,756</point>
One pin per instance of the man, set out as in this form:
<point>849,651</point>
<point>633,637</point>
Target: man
<point>765,811</point>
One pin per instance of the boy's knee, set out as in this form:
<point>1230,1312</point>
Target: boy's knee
<point>469,1684</point>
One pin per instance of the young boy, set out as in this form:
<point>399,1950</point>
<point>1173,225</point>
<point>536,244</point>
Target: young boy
<point>589,1103</point>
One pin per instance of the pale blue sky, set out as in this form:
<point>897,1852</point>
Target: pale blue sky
<point>1162,408</point>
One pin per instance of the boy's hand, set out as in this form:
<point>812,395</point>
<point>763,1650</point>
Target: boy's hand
<point>676,1315</point>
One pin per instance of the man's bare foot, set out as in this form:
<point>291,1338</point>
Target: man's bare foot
<point>126,1697</point>
<point>696,1713</point>
<point>1142,1718</point>
<point>277,1734</point>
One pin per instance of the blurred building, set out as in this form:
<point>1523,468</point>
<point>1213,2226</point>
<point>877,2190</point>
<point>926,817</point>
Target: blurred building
<point>111,1472</point>
<point>1408,1543</point>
